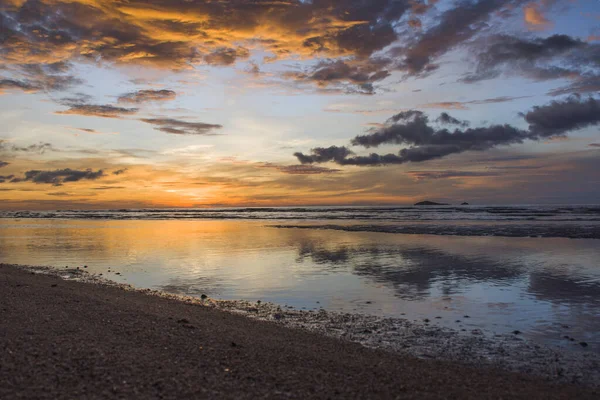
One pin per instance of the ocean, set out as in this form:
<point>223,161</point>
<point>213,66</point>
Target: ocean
<point>535,269</point>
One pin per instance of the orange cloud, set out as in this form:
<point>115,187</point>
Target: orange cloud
<point>535,18</point>
<point>175,34</point>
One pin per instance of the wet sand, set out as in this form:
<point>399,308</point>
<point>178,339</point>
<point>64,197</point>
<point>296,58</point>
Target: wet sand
<point>69,339</point>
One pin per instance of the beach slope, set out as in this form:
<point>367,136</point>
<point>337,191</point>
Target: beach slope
<point>65,339</point>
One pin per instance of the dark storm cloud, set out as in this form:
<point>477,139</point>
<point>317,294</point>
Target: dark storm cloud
<point>59,176</point>
<point>560,117</point>
<point>95,110</point>
<point>426,142</point>
<point>143,96</point>
<point>178,127</point>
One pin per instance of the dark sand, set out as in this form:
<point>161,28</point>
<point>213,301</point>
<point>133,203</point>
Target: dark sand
<point>65,339</point>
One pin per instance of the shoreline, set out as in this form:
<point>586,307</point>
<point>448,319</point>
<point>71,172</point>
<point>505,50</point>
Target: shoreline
<point>402,337</point>
<point>508,229</point>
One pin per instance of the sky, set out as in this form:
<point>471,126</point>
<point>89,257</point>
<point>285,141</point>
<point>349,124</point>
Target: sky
<point>185,103</point>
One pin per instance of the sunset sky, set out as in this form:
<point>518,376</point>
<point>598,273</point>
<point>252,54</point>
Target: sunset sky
<point>183,103</point>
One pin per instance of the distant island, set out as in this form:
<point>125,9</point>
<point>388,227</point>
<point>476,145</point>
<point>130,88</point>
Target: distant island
<point>464,204</point>
<point>430,203</point>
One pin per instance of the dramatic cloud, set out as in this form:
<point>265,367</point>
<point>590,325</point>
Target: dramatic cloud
<point>3,164</point>
<point>350,34</point>
<point>560,117</point>
<point>425,142</point>
<point>176,34</point>
<point>93,110</point>
<point>178,127</point>
<point>143,96</point>
<point>59,176</point>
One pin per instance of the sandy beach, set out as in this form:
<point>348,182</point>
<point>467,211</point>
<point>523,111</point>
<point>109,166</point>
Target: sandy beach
<point>69,339</point>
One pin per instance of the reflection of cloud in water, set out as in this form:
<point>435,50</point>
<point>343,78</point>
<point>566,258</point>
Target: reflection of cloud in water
<point>555,287</point>
<point>413,271</point>
<point>318,255</point>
